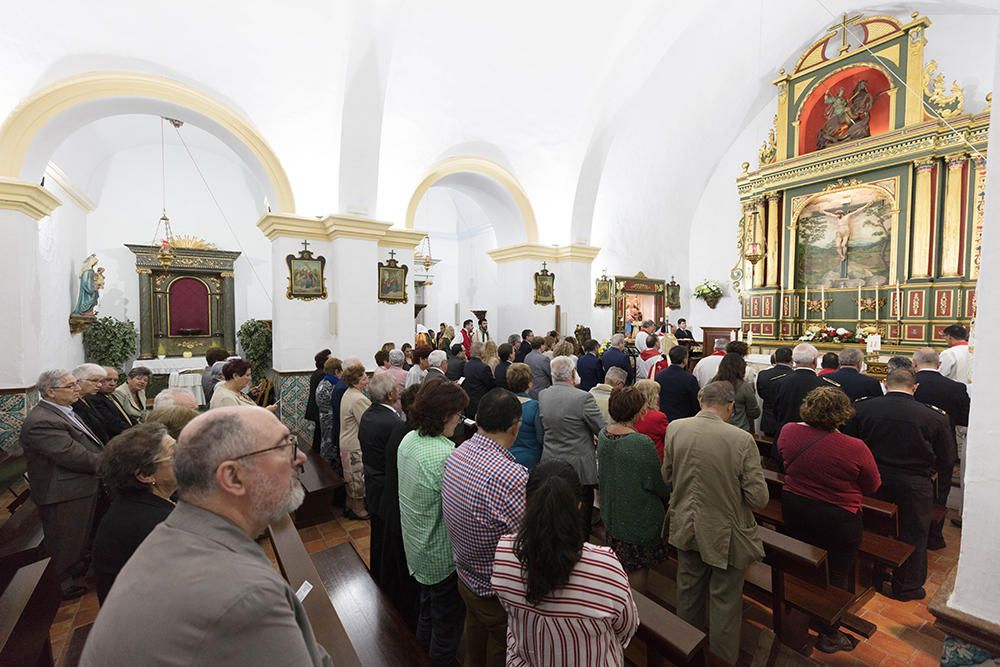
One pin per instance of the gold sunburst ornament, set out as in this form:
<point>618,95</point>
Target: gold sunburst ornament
<point>192,242</point>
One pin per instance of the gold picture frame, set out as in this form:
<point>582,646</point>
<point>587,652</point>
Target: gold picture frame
<point>306,275</point>
<point>603,288</point>
<point>545,286</point>
<point>392,280</point>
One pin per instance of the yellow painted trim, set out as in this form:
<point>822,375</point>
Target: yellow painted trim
<point>25,123</point>
<point>536,251</point>
<point>355,227</point>
<point>275,225</point>
<point>402,238</point>
<point>33,200</point>
<point>478,165</point>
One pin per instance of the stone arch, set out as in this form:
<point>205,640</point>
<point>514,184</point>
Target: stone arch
<point>477,165</point>
<point>33,130</point>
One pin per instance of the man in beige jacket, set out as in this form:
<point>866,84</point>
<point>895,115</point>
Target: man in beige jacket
<point>717,481</point>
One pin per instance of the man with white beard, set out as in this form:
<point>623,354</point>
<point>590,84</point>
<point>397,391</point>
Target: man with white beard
<point>199,590</point>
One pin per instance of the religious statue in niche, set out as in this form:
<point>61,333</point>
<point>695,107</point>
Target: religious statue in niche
<point>545,285</point>
<point>91,283</point>
<point>392,280</point>
<point>846,118</point>
<point>306,275</point>
<point>845,238</point>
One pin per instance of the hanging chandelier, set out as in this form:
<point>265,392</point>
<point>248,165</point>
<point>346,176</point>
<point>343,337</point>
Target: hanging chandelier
<point>422,256</point>
<point>165,255</point>
<point>754,250</point>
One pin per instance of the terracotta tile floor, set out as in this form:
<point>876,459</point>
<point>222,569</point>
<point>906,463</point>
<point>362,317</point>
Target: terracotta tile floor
<point>77,613</point>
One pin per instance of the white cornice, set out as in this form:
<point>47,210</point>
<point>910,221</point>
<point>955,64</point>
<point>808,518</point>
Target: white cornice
<point>79,197</point>
<point>29,198</point>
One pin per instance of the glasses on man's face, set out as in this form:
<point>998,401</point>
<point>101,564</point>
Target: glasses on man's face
<point>68,386</point>
<point>287,440</point>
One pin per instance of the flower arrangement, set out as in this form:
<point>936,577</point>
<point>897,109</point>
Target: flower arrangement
<point>818,334</point>
<point>707,289</point>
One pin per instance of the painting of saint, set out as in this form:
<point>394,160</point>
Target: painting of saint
<point>392,282</point>
<point>844,238</point>
<point>305,277</point>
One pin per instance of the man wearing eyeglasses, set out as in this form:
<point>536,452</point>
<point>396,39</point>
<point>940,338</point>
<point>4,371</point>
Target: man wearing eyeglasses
<point>200,574</point>
<point>62,454</point>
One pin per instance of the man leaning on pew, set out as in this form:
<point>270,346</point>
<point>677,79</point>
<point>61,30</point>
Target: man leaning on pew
<point>199,590</point>
<point>711,515</point>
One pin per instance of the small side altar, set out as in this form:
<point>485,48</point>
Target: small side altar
<point>866,208</point>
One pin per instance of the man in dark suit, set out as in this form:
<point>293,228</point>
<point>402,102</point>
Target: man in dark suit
<point>682,331</point>
<point>678,387</point>
<point>504,352</point>
<point>615,356</point>
<point>312,410</point>
<point>63,455</point>
<point>792,390</point>
<point>112,413</point>
<point>90,377</point>
<point>478,378</point>
<point>588,367</point>
<point>935,389</point>
<point>456,362</point>
<point>374,430</point>
<point>525,347</point>
<point>437,364</point>
<point>852,381</point>
<point>767,387</point>
<point>910,442</point>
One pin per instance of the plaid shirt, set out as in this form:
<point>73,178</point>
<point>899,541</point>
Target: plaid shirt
<point>425,539</point>
<point>482,496</point>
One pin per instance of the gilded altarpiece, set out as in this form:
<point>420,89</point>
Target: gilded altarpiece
<point>187,305</point>
<point>866,207</point>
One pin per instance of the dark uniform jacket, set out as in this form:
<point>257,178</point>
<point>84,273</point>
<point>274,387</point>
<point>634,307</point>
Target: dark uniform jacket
<point>678,392</point>
<point>855,383</point>
<point>522,351</point>
<point>944,393</point>
<point>500,374</point>
<point>588,367</point>
<point>767,389</point>
<point>478,380</point>
<point>374,430</point>
<point>903,434</point>
<point>87,413</point>
<point>113,415</point>
<point>792,390</point>
<point>683,333</point>
<point>615,357</point>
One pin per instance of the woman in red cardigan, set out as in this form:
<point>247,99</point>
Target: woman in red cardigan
<point>826,475</point>
<point>652,422</point>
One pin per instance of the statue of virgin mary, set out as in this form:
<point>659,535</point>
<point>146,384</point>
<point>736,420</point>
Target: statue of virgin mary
<point>87,300</point>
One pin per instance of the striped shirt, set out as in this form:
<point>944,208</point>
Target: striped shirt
<point>482,495</point>
<point>589,621</point>
<point>420,462</point>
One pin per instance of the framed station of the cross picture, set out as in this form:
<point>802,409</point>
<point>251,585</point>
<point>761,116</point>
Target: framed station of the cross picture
<point>306,279</point>
<point>545,286</point>
<point>392,281</point>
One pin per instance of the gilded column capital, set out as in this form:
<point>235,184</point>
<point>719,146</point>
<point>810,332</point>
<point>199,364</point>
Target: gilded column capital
<point>956,160</point>
<point>773,196</point>
<point>923,163</point>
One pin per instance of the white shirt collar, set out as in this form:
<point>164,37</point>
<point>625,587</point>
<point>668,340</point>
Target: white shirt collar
<point>62,408</point>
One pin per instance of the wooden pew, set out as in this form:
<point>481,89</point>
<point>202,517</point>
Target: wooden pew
<point>20,541</point>
<point>296,567</point>
<point>377,631</point>
<point>320,483</point>
<point>668,639</point>
<point>28,605</point>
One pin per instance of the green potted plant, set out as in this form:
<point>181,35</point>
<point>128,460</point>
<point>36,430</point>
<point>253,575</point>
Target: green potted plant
<point>255,339</point>
<point>110,342</point>
<point>710,291</point>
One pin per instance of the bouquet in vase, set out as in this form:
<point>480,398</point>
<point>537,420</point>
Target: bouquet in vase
<point>818,334</point>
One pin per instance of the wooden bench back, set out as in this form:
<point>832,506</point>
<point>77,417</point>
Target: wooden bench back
<point>794,557</point>
<point>667,636</point>
<point>28,605</point>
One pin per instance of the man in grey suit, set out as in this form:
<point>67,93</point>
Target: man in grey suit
<point>571,420</point>
<point>62,455</point>
<point>199,590</point>
<point>541,375</point>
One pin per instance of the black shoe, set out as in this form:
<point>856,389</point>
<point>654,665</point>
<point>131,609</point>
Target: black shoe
<point>839,641</point>
<point>74,592</point>
<point>936,545</point>
<point>957,522</point>
<point>356,517</point>
<point>906,596</point>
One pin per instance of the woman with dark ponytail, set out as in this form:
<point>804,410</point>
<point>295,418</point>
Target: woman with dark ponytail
<point>552,584</point>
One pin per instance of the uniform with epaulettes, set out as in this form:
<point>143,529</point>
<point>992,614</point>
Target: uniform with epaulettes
<point>910,441</point>
<point>767,389</point>
<point>792,390</point>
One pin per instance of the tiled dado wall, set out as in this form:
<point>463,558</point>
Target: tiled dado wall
<point>14,407</point>
<point>293,391</point>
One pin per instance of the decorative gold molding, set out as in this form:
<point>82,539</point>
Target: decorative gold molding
<point>536,251</point>
<point>477,165</point>
<point>30,117</point>
<point>28,198</point>
<point>78,196</point>
<point>946,106</point>
<point>408,239</point>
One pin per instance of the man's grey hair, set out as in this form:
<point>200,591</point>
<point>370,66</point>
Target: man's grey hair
<point>720,344</point>
<point>717,393</point>
<point>898,362</point>
<point>927,357</point>
<point>204,444</point>
<point>617,340</point>
<point>513,339</point>
<point>89,372</point>
<point>397,358</point>
<point>648,323</point>
<point>562,369</point>
<point>352,361</point>
<point>850,356</point>
<point>805,354</point>
<point>436,358</point>
<point>616,375</point>
<point>167,398</point>
<point>380,386</point>
<point>50,380</point>
<point>476,350</point>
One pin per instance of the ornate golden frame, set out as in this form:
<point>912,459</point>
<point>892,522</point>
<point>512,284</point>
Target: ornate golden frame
<point>548,296</point>
<point>305,256</point>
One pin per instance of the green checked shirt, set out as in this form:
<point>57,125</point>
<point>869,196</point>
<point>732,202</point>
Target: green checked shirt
<point>425,537</point>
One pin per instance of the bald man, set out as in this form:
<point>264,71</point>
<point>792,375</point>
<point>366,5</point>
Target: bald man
<point>200,573</point>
